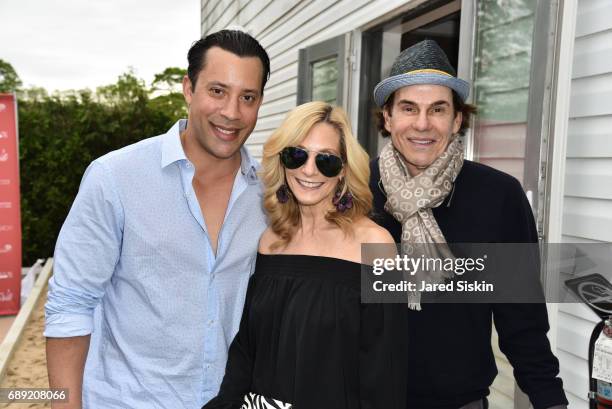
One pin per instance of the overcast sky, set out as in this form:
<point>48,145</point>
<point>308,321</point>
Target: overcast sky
<point>73,44</point>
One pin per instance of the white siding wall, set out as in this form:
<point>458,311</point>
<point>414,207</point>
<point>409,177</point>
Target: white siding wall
<point>283,27</point>
<point>587,206</point>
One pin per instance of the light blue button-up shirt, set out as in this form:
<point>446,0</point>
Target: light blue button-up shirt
<point>134,249</point>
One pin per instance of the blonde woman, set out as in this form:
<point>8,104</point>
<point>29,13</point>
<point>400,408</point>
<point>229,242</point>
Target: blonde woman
<point>305,340</point>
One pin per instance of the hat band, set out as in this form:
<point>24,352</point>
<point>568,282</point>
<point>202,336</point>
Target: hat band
<point>430,71</point>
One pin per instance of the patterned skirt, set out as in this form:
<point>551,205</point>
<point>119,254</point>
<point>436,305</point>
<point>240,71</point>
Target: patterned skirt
<point>255,401</point>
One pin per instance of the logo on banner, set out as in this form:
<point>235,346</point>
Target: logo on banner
<point>10,230</point>
<point>6,296</point>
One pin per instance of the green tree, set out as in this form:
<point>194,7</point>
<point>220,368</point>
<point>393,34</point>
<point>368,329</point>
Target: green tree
<point>127,90</point>
<point>167,86</point>
<point>61,134</point>
<point>169,80</point>
<point>9,80</point>
<point>32,94</point>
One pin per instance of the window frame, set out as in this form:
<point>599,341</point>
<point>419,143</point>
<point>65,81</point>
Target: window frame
<point>334,47</point>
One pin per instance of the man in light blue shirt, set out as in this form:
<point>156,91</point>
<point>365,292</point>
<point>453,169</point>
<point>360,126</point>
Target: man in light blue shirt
<point>153,260</point>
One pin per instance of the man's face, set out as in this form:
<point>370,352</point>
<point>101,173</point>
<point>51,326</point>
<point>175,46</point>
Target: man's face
<point>421,123</point>
<point>224,104</point>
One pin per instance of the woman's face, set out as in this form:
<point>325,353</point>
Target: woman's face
<point>308,185</point>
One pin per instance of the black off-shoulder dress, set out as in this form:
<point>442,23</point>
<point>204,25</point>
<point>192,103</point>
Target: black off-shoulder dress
<point>306,340</point>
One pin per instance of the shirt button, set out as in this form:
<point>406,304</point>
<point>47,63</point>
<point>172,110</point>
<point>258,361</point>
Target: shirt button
<point>211,322</point>
<point>189,165</point>
<point>207,366</point>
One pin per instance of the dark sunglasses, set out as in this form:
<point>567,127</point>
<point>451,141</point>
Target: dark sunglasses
<point>328,164</point>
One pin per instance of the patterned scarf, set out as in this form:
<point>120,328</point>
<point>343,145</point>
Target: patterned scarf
<point>411,199</point>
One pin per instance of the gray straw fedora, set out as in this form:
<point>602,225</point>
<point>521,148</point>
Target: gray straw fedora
<point>422,63</point>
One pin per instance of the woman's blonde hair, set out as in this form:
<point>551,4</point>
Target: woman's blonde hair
<point>284,218</point>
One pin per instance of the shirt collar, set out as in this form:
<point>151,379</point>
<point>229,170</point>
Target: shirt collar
<point>248,166</point>
<point>172,151</point>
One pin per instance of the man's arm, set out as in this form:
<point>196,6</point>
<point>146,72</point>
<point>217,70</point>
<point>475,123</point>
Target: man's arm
<point>87,251</point>
<point>522,332</point>
<point>522,327</point>
<point>65,363</point>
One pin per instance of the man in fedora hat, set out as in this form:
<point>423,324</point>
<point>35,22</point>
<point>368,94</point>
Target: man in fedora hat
<point>450,359</point>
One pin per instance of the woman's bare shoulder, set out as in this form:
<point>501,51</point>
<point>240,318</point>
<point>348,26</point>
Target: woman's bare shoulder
<point>266,240</point>
<point>367,231</point>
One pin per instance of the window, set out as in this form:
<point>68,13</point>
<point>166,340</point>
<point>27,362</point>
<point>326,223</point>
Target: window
<point>321,72</point>
<point>325,80</point>
<point>502,66</point>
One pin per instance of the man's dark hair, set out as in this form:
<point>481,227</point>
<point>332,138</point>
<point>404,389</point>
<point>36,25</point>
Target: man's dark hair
<point>236,42</point>
<point>467,110</point>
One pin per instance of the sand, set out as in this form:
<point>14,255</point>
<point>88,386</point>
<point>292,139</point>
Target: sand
<point>28,367</point>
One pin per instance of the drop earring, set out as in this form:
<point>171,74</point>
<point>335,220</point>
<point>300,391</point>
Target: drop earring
<point>282,194</point>
<point>343,202</point>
